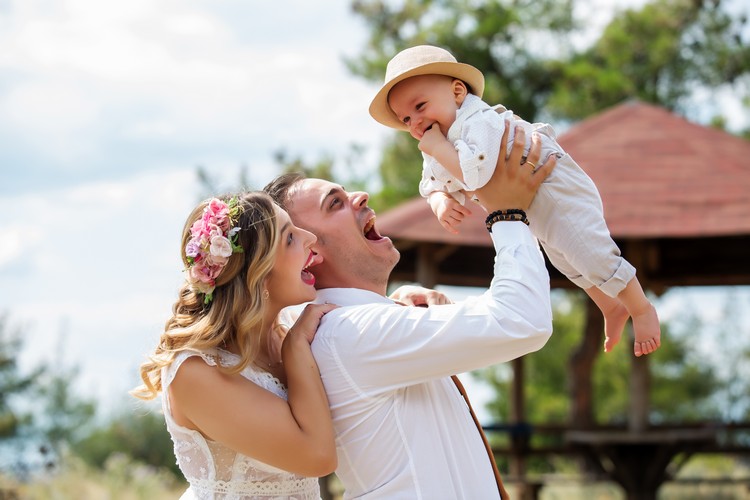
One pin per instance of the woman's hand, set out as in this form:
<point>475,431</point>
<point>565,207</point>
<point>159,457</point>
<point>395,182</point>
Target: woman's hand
<point>308,322</point>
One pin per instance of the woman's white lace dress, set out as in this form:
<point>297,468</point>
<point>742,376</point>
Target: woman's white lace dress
<point>216,472</point>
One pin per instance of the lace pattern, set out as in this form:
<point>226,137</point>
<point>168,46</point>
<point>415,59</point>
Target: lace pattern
<point>219,473</point>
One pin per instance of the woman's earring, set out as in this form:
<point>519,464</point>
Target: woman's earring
<point>266,294</point>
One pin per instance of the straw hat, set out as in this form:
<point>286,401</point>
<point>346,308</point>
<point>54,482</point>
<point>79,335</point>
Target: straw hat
<point>421,60</point>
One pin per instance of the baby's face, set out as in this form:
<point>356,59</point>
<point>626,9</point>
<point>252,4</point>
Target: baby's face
<point>426,100</point>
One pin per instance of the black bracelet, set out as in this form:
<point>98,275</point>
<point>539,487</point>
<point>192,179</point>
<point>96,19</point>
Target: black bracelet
<point>512,214</point>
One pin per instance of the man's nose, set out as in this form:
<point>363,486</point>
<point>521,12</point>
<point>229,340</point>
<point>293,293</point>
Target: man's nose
<point>359,199</point>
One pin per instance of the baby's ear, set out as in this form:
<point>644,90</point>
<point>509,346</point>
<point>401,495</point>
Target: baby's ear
<point>459,90</point>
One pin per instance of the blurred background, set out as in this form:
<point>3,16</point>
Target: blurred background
<point>117,117</point>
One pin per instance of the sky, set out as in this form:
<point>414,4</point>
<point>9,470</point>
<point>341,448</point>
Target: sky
<point>106,110</point>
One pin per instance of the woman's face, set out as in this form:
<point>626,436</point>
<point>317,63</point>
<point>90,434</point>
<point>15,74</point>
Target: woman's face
<point>290,282</point>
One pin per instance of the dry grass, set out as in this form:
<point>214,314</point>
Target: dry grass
<point>121,479</point>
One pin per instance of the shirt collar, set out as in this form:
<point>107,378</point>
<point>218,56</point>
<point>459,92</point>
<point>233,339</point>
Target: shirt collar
<point>350,297</point>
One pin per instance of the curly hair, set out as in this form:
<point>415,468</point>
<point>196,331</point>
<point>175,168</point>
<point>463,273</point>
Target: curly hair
<point>235,315</point>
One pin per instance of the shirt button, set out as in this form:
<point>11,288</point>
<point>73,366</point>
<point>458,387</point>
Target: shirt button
<point>481,157</point>
<point>432,177</point>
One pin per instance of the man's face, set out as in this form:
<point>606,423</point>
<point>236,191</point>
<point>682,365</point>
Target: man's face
<point>354,254</point>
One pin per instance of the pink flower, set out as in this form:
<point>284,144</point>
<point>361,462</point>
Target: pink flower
<point>209,247</point>
<point>220,246</point>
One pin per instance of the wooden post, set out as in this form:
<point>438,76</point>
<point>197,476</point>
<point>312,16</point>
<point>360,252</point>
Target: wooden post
<point>640,380</point>
<point>640,385</point>
<point>580,368</point>
<point>426,272</point>
<point>517,416</point>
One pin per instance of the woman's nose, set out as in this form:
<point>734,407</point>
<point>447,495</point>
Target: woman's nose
<point>310,238</point>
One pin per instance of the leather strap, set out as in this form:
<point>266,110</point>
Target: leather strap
<point>500,488</point>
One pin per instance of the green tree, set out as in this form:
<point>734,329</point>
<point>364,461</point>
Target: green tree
<point>494,36</point>
<point>657,54</point>
<point>682,383</point>
<point>13,384</point>
<point>40,414</point>
<point>141,435</point>
<point>62,415</point>
<point>660,53</point>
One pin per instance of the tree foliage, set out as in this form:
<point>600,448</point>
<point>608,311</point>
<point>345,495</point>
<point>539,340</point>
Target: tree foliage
<point>494,36</point>
<point>141,435</point>
<point>660,53</point>
<point>657,54</point>
<point>13,384</point>
<point>62,414</point>
<point>40,414</point>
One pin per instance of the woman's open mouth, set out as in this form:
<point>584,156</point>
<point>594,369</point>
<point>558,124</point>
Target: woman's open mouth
<point>308,278</point>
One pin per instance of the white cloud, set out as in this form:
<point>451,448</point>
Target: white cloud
<point>94,272</point>
<point>93,92</point>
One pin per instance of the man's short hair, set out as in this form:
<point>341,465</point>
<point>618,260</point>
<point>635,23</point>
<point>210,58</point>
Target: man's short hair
<point>279,188</point>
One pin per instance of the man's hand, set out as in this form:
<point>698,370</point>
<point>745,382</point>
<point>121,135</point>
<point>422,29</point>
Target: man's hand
<point>448,211</point>
<point>515,181</point>
<point>410,295</point>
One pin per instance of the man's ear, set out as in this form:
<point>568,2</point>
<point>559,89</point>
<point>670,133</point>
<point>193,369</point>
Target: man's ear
<point>459,90</point>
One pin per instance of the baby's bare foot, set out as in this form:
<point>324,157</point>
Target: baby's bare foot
<point>614,322</point>
<point>647,331</point>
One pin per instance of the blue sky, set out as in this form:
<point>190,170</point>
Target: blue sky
<point>106,108</point>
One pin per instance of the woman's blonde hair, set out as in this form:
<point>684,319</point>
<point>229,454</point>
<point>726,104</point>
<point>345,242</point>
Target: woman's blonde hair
<point>235,313</point>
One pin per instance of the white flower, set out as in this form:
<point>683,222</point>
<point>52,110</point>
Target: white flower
<point>221,246</point>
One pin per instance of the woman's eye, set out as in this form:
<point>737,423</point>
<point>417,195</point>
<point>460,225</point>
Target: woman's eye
<point>289,239</point>
<point>420,106</point>
<point>334,202</point>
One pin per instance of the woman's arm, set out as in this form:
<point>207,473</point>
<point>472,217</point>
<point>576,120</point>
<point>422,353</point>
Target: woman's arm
<point>295,435</point>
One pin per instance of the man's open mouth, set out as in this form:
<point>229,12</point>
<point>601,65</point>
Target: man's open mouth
<point>370,232</point>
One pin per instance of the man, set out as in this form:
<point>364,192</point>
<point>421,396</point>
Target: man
<point>403,429</point>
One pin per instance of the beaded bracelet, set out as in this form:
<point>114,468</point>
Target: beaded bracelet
<point>512,214</point>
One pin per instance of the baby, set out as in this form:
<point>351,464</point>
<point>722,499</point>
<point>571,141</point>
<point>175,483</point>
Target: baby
<point>438,101</point>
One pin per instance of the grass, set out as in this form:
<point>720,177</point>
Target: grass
<point>706,476</point>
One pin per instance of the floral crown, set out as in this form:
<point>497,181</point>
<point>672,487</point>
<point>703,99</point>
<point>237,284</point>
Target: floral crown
<point>213,240</point>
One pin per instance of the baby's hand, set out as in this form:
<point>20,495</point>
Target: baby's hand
<point>431,139</point>
<point>448,211</point>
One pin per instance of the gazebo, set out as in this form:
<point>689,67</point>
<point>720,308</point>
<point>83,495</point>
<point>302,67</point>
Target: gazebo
<point>676,199</point>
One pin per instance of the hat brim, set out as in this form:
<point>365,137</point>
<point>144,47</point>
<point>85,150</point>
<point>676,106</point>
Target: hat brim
<point>382,112</point>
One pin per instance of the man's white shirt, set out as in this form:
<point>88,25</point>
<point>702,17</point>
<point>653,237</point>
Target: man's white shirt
<point>402,428</point>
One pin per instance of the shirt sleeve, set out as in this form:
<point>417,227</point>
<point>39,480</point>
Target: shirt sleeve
<point>436,178</point>
<point>479,146</point>
<point>381,347</point>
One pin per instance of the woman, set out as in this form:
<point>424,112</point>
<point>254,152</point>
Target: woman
<point>242,398</point>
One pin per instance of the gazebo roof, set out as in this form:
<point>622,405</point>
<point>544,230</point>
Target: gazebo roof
<point>662,179</point>
<point>660,175</point>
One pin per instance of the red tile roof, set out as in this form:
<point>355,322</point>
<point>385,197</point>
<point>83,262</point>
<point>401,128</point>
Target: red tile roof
<point>659,175</point>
